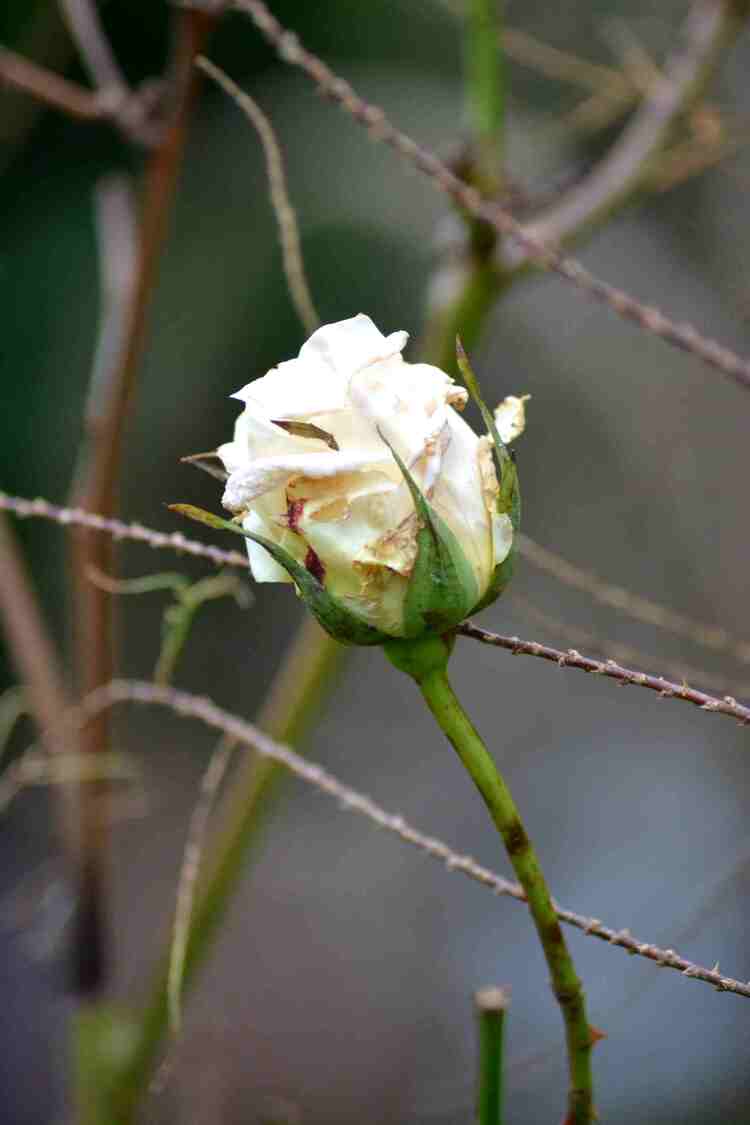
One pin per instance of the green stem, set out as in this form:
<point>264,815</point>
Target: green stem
<point>485,89</point>
<point>492,1004</point>
<point>296,693</point>
<point>426,662</point>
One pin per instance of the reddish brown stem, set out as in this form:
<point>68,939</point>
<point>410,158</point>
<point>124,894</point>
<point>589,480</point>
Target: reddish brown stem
<point>97,483</point>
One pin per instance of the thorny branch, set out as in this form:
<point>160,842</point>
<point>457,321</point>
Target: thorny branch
<point>714,637</point>
<point>573,659</point>
<point>175,541</point>
<point>647,317</point>
<point>244,733</point>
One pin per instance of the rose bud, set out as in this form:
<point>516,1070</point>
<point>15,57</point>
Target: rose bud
<point>352,474</point>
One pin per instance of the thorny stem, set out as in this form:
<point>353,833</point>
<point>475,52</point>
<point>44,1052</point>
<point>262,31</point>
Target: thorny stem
<point>423,662</point>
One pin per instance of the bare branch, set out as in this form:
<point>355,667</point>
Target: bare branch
<point>244,733</point>
<point>117,529</point>
<point>179,543</point>
<point>647,317</point>
<point>713,637</point>
<point>294,267</point>
<point>710,26</point>
<point>96,52</point>
<point>46,86</point>
<point>574,635</point>
<point>127,297</point>
<point>573,659</point>
<point>36,660</point>
<point>189,871</point>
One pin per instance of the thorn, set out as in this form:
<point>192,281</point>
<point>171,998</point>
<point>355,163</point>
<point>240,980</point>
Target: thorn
<point>596,1034</point>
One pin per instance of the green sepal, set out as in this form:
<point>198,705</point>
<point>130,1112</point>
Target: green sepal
<point>336,619</point>
<point>509,496</point>
<point>442,588</point>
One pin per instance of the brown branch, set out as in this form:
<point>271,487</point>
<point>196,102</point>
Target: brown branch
<point>175,541</point>
<point>607,647</point>
<point>95,50</point>
<point>22,74</point>
<point>203,709</point>
<point>647,317</point>
<point>291,249</point>
<point>710,27</point>
<point>98,476</point>
<point>573,659</point>
<point>714,637</point>
<point>36,663</point>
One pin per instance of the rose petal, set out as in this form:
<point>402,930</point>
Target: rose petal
<point>267,473</point>
<point>510,417</point>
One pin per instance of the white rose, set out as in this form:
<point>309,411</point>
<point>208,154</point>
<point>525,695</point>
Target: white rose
<point>310,469</point>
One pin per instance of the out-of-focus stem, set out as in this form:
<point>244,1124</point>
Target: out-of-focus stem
<point>485,89</point>
<point>296,693</point>
<point>98,477</point>
<point>491,1005</point>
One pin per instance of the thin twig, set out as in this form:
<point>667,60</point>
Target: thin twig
<point>22,74</point>
<point>176,541</point>
<point>291,250</point>
<point>573,659</point>
<point>714,637</point>
<point>244,733</point>
<point>96,52</point>
<point>721,17</point>
<point>709,28</point>
<point>36,660</point>
<point>119,530</point>
<point>609,649</point>
<point>189,871</point>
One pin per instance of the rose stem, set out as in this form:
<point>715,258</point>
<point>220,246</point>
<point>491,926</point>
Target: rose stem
<point>426,662</point>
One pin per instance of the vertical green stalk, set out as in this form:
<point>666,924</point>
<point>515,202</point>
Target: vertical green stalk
<point>491,1005</point>
<point>485,89</point>
<point>298,690</point>
<point>426,662</point>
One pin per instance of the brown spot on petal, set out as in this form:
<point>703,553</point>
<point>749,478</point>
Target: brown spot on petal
<point>294,509</point>
<point>315,566</point>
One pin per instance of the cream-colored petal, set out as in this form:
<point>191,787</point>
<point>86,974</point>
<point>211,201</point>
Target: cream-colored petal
<point>502,537</point>
<point>263,566</point>
<point>459,498</point>
<point>405,402</point>
<point>350,344</point>
<point>510,417</point>
<point>267,473</point>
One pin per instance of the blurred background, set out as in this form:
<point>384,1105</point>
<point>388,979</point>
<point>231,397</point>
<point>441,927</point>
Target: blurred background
<point>341,987</point>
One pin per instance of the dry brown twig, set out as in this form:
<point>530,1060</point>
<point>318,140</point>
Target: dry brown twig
<point>714,637</point>
<point>609,668</point>
<point>127,294</point>
<point>529,241</point>
<point>245,734</point>
<point>627,655</point>
<point>178,542</point>
<point>294,266</point>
